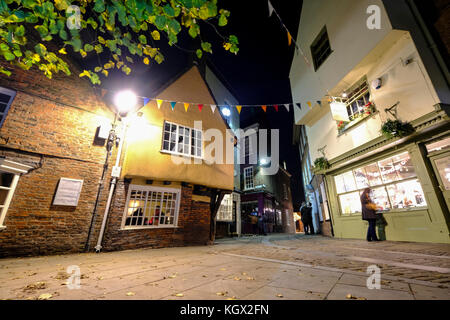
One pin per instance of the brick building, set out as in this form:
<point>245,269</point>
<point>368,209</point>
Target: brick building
<point>49,131</point>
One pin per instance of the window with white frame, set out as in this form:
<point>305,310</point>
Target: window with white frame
<point>393,182</point>
<point>8,183</point>
<point>6,98</point>
<point>358,99</point>
<point>151,207</point>
<point>248,178</point>
<point>182,140</point>
<point>225,212</point>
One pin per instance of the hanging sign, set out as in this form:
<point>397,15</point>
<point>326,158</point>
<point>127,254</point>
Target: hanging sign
<point>339,111</point>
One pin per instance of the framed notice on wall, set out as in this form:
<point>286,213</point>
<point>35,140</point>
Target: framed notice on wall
<point>68,192</point>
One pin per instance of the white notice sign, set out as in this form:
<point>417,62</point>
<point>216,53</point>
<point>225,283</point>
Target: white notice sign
<point>68,192</point>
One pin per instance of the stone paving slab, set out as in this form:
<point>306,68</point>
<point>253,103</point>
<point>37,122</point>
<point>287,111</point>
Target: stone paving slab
<point>341,291</point>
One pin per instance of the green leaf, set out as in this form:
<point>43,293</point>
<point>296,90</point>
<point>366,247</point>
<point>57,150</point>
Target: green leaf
<point>20,31</point>
<point>98,48</point>
<point>194,30</point>
<point>160,22</point>
<point>43,31</point>
<point>169,10</point>
<point>8,56</point>
<point>142,39</point>
<point>199,53</point>
<point>174,26</point>
<point>98,69</point>
<point>4,71</point>
<point>223,21</point>
<point>99,6</point>
<point>206,46</point>
<point>159,58</point>
<point>88,47</point>
<point>63,34</point>
<point>156,35</point>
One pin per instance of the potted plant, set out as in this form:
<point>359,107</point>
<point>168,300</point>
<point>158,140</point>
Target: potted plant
<point>396,128</point>
<point>321,164</point>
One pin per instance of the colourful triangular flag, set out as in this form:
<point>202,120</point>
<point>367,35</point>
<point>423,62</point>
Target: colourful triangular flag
<point>146,100</point>
<point>299,105</point>
<point>213,108</point>
<point>276,107</point>
<point>200,107</point>
<point>159,103</point>
<point>173,103</point>
<point>239,108</point>
<point>270,8</point>
<point>309,103</point>
<point>289,38</point>
<point>264,108</point>
<point>319,102</point>
<point>104,92</point>
<point>287,107</point>
<point>186,106</point>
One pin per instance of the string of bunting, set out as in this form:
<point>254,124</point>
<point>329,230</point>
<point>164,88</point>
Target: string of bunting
<point>200,106</point>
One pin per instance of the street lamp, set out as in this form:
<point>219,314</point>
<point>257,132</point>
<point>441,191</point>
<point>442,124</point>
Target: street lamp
<point>226,111</point>
<point>125,102</point>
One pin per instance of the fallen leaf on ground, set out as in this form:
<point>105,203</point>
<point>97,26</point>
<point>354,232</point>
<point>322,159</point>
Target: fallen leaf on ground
<point>280,295</point>
<point>232,298</point>
<point>35,286</point>
<point>45,296</point>
<point>237,278</point>
<point>131,293</point>
<point>223,269</point>
<point>250,278</point>
<point>220,293</point>
<point>179,295</point>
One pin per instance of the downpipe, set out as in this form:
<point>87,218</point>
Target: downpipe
<point>98,247</point>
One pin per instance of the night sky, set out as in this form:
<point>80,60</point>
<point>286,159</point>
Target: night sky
<point>258,74</point>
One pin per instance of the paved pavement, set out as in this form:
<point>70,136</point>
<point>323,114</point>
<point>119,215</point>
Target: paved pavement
<point>261,268</point>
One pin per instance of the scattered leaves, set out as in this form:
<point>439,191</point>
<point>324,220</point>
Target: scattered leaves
<point>130,294</point>
<point>45,296</point>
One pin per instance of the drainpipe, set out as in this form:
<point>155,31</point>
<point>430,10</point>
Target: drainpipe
<point>98,247</point>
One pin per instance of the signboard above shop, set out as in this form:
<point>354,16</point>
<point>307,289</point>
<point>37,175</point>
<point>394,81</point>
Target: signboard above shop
<point>68,192</point>
<point>339,111</point>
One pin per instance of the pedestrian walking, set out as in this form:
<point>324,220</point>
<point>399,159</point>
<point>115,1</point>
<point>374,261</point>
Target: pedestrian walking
<point>369,213</point>
<point>304,217</point>
<point>310,218</point>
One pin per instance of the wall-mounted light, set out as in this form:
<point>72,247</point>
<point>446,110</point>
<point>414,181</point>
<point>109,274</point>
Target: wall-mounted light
<point>339,111</point>
<point>125,101</point>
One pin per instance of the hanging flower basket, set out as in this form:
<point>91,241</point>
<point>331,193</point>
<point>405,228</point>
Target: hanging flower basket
<point>321,164</point>
<point>395,128</point>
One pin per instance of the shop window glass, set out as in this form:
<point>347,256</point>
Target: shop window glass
<point>349,181</point>
<point>406,194</point>
<point>387,170</point>
<point>339,181</point>
<point>373,174</point>
<point>380,198</point>
<point>350,203</point>
<point>404,166</point>
<point>443,166</point>
<point>361,178</point>
<point>438,145</point>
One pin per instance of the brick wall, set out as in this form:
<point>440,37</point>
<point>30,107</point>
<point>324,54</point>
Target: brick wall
<point>193,225</point>
<point>51,126</point>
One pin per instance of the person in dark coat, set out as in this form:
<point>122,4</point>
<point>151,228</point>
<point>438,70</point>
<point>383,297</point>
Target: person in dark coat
<point>310,218</point>
<point>369,214</point>
<point>304,217</point>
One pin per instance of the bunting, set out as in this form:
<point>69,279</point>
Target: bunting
<point>270,8</point>
<point>173,104</point>
<point>159,103</point>
<point>309,104</point>
<point>299,105</point>
<point>186,106</point>
<point>264,108</point>
<point>146,101</point>
<point>276,107</point>
<point>200,107</point>
<point>239,108</point>
<point>289,38</point>
<point>287,107</point>
<point>213,108</point>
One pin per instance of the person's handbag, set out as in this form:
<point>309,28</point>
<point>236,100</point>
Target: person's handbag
<point>371,206</point>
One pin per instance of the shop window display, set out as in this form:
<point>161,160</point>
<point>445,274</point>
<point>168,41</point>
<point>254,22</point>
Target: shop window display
<point>393,182</point>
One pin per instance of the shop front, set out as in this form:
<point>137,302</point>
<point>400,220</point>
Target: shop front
<point>410,186</point>
<point>261,206</point>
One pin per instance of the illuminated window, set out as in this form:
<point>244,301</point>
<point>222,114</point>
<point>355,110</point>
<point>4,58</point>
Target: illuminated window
<point>249,178</point>
<point>393,182</point>
<point>182,140</point>
<point>151,207</point>
<point>358,98</point>
<point>225,212</point>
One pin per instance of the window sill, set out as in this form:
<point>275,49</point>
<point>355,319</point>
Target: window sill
<point>180,154</point>
<point>148,228</point>
<point>404,210</point>
<point>355,123</point>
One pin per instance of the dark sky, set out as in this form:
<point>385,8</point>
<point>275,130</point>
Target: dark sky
<point>258,74</point>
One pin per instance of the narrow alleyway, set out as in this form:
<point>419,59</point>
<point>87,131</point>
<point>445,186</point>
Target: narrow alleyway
<point>272,267</point>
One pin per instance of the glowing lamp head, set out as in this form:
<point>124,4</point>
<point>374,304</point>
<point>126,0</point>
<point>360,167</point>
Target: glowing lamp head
<point>263,162</point>
<point>226,112</point>
<point>125,101</point>
<point>344,95</point>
